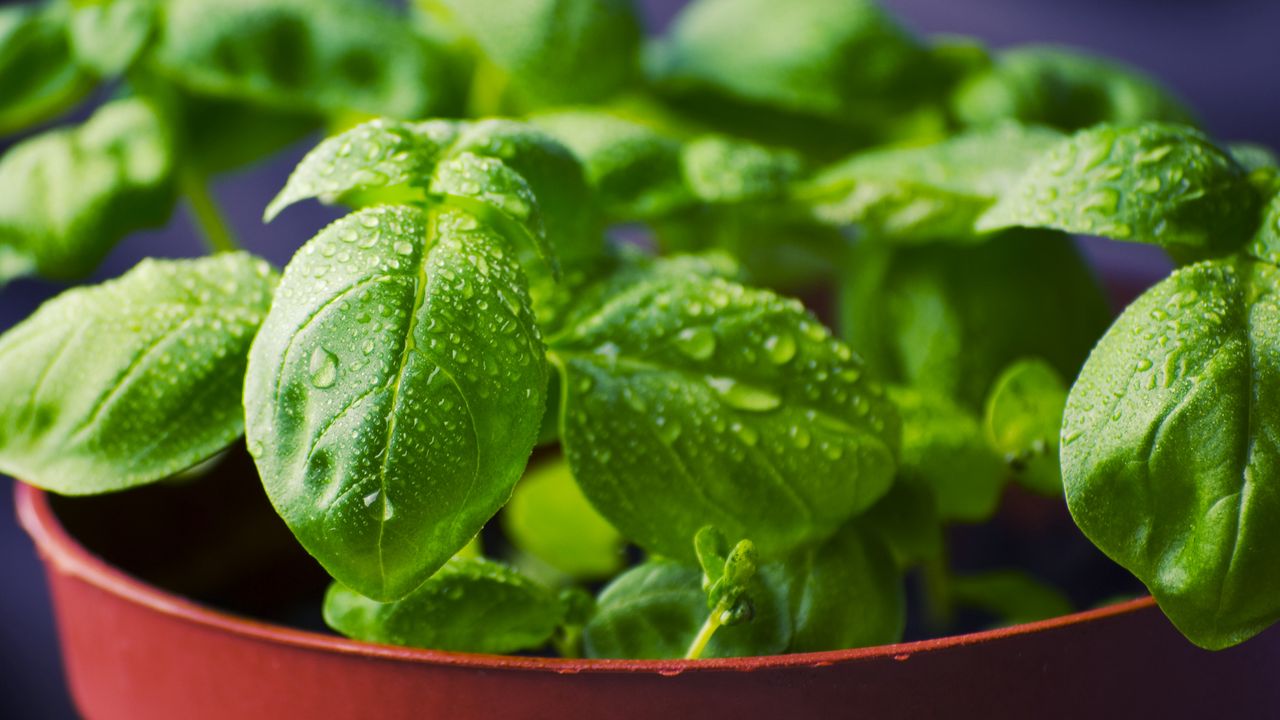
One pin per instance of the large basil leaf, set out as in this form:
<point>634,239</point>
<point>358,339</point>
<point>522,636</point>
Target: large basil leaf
<point>551,52</point>
<point>654,611</point>
<point>945,449</point>
<point>1065,89</point>
<point>69,195</point>
<point>1154,183</point>
<point>469,605</point>
<point>690,400</point>
<point>1265,245</point>
<point>1169,449</point>
<point>846,593</point>
<point>549,519</point>
<point>39,76</point>
<point>107,35</point>
<point>394,394</point>
<point>326,56</point>
<point>846,61</point>
<point>934,192</point>
<point>949,318</point>
<point>128,382</point>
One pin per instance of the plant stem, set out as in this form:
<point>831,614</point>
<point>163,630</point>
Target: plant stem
<point>704,635</point>
<point>215,231</point>
<point>937,591</point>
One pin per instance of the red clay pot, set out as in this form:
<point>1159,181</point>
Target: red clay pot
<point>135,651</point>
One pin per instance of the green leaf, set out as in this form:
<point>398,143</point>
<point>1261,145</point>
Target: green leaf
<point>932,192</point>
<point>1024,420</point>
<point>1065,89</point>
<point>846,593</point>
<point>395,391</point>
<point>845,60</point>
<point>552,52</point>
<point>508,166</point>
<point>128,382</point>
<point>636,171</point>
<point>1168,447</point>
<point>723,170</point>
<point>654,611</point>
<point>944,448</point>
<point>108,35</point>
<point>1162,184</point>
<point>947,318</point>
<point>322,56</point>
<point>39,77</point>
<point>70,195</point>
<point>1013,597</point>
<point>906,520</point>
<point>470,605</point>
<point>1265,244</point>
<point>549,518</point>
<point>690,400</point>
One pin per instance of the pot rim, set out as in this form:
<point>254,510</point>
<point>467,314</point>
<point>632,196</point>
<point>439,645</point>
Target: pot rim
<point>63,553</point>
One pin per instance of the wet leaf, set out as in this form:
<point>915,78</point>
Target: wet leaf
<point>395,393</point>
<point>1024,420</point>
<point>690,400</point>
<point>1166,185</point>
<point>1169,446</point>
<point>133,380</point>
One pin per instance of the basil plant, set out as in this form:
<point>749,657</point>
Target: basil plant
<point>715,472</point>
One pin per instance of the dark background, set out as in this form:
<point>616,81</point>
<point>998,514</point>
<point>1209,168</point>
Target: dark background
<point>1221,57</point>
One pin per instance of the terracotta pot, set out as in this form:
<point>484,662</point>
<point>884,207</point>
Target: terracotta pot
<point>135,651</point>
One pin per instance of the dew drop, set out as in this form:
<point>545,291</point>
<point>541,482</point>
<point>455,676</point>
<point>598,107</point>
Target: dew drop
<point>324,368</point>
<point>699,343</point>
<point>744,397</point>
<point>781,348</point>
<point>404,248</point>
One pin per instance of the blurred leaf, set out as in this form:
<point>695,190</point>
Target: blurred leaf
<point>69,195</point>
<point>39,75</point>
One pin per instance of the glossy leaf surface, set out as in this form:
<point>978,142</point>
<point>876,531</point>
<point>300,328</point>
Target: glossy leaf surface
<point>124,383</point>
<point>690,400</point>
<point>395,392</point>
<point>1162,184</point>
<point>469,605</point>
<point>1169,447</point>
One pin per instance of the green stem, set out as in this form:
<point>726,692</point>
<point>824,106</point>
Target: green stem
<point>704,635</point>
<point>217,234</point>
